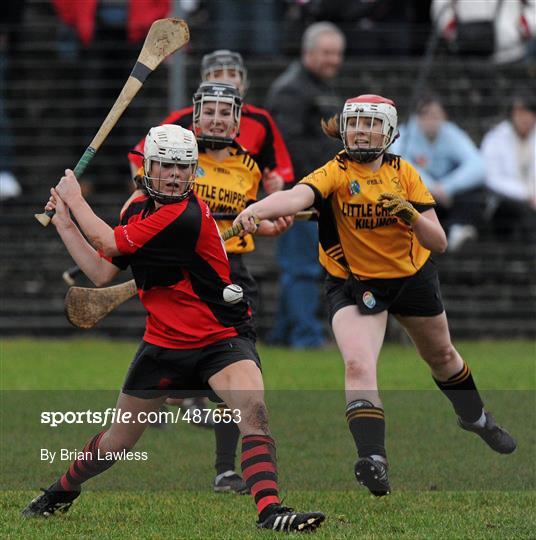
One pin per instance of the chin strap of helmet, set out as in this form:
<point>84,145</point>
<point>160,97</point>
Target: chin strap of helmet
<point>213,143</point>
<point>164,199</point>
<point>365,156</point>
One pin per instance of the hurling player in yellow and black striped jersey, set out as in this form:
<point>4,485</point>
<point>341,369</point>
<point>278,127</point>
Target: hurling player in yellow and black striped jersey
<point>377,229</point>
<point>228,178</point>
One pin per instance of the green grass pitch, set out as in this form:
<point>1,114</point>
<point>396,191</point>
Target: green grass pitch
<point>446,482</point>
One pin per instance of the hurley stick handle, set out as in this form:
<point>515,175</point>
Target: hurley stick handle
<point>83,162</point>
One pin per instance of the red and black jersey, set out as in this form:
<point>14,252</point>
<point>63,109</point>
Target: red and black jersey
<point>259,135</point>
<point>179,263</point>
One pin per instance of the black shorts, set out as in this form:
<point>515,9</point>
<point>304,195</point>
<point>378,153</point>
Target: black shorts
<point>414,296</point>
<point>241,276</point>
<point>156,371</point>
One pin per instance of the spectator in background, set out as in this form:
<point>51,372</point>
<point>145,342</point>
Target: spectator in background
<point>508,151</point>
<point>377,27</point>
<point>502,29</point>
<point>11,18</point>
<point>298,99</point>
<point>450,165</point>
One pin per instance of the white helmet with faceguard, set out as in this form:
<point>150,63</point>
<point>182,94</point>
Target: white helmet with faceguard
<point>368,126</point>
<point>227,66</point>
<point>170,163</point>
<point>214,95</point>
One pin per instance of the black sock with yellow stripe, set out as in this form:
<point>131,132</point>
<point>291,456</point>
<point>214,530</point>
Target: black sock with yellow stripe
<point>367,425</point>
<point>461,390</point>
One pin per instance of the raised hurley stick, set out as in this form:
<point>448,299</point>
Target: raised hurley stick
<point>164,37</point>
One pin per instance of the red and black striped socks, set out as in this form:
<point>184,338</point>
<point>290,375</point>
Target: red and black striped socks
<point>89,465</point>
<point>259,470</point>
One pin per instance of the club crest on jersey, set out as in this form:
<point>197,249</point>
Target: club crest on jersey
<point>200,171</point>
<point>368,299</point>
<point>354,187</point>
<point>395,181</point>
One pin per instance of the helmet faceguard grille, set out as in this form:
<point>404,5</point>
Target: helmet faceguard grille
<point>217,95</point>
<point>362,123</point>
<point>170,163</point>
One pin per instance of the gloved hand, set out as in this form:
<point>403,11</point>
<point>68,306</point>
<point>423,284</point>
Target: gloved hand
<point>399,207</point>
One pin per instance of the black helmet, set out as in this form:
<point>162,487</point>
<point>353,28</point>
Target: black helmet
<point>224,60</point>
<point>218,93</point>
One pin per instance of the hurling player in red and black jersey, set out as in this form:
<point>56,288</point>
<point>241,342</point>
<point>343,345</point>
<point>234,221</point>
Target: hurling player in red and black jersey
<point>194,339</point>
<point>227,180</point>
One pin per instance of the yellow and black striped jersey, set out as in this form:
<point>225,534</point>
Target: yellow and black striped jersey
<point>356,233</point>
<point>228,187</point>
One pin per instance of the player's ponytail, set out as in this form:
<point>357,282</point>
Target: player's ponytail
<point>331,127</point>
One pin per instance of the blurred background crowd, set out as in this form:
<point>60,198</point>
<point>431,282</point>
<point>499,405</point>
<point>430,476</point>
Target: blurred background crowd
<point>462,74</point>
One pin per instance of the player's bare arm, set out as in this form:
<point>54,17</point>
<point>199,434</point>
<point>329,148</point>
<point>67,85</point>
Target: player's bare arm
<point>282,203</point>
<point>97,231</point>
<point>97,269</point>
<point>272,181</point>
<point>429,232</point>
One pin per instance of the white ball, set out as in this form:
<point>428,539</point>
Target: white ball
<point>233,293</point>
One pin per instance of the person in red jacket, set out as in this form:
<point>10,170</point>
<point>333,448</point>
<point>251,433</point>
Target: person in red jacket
<point>82,16</point>
<point>259,134</point>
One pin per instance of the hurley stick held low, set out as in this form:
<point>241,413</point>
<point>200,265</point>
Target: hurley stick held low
<point>306,215</point>
<point>85,306</point>
<point>235,230</point>
<point>164,38</point>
